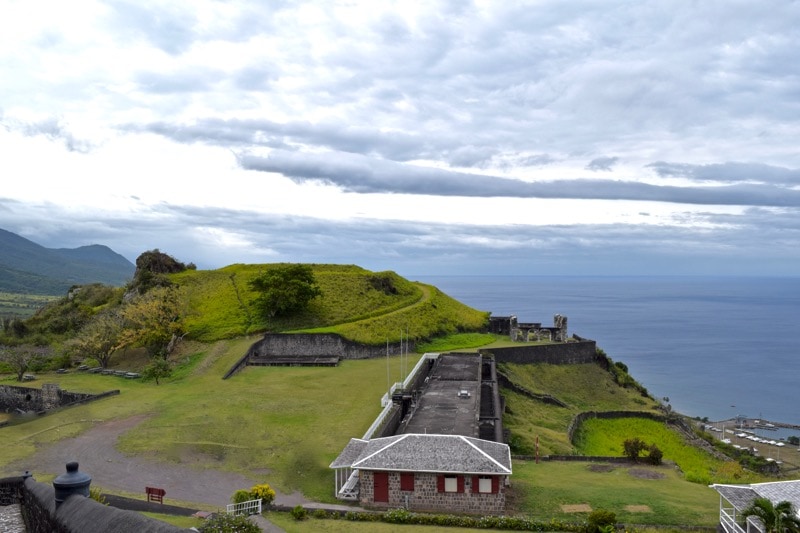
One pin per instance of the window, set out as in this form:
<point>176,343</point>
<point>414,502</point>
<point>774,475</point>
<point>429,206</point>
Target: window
<point>485,484</point>
<point>450,483</point>
<point>407,481</point>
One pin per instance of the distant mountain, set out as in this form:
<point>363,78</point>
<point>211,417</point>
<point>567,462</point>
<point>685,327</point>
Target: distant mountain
<point>27,267</point>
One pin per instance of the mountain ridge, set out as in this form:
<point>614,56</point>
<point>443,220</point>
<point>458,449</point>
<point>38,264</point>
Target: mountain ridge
<point>29,268</point>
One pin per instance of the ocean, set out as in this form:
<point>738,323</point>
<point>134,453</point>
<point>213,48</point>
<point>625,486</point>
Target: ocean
<point>717,347</point>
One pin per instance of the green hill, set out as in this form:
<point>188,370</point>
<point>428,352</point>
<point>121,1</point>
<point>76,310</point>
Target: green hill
<point>28,268</point>
<point>361,305</point>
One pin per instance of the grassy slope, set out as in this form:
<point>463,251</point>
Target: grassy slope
<point>585,387</point>
<point>353,304</point>
<point>256,421</point>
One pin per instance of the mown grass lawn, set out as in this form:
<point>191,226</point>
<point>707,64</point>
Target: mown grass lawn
<point>637,494</point>
<point>606,437</point>
<point>287,423</point>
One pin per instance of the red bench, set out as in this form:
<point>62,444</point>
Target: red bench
<point>154,494</point>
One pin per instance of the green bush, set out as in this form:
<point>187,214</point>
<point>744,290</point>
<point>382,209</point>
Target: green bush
<point>241,496</point>
<point>599,520</point>
<point>228,523</point>
<point>299,513</point>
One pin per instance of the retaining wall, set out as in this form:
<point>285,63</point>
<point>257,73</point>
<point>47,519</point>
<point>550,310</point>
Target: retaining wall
<point>321,344</point>
<point>50,396</point>
<point>567,353</point>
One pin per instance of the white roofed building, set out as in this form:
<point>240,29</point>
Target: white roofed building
<point>423,472</point>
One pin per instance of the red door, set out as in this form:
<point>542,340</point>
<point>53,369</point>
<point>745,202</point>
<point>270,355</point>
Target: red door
<point>381,483</point>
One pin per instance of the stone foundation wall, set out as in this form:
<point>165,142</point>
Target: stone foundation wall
<point>426,496</point>
<point>50,396</point>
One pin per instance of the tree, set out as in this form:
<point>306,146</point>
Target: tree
<point>632,448</point>
<point>285,289</point>
<point>776,518</point>
<point>154,320</point>
<point>157,369</point>
<point>101,337</point>
<point>23,357</point>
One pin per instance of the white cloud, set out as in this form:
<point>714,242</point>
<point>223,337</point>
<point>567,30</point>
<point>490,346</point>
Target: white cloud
<point>240,131</point>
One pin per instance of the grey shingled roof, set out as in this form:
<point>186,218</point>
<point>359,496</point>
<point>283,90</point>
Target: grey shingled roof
<point>350,453</point>
<point>740,496</point>
<point>453,454</point>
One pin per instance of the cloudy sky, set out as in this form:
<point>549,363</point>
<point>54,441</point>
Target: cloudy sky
<point>540,137</point>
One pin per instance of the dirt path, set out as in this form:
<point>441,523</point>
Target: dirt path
<point>95,451</point>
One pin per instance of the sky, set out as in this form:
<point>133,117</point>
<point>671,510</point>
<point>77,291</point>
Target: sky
<point>589,137</point>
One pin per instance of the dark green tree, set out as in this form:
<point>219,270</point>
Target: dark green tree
<point>157,370</point>
<point>285,289</point>
<point>632,448</point>
<point>777,518</point>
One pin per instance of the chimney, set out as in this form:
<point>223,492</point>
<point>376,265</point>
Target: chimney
<point>73,482</point>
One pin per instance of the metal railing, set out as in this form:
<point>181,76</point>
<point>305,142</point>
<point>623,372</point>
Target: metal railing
<point>246,508</point>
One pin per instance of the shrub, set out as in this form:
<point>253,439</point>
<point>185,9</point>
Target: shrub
<point>97,495</point>
<point>263,492</point>
<point>654,455</point>
<point>320,514</point>
<point>228,523</point>
<point>299,513</point>
<point>241,496</point>
<point>633,447</point>
<point>599,520</point>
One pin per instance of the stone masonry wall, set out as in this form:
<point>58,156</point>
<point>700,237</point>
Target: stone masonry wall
<point>318,345</point>
<point>48,397</point>
<point>567,353</point>
<point>426,496</point>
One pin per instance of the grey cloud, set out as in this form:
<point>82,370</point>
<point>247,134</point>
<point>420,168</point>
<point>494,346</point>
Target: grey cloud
<point>602,164</point>
<point>360,174</point>
<point>51,128</point>
<point>731,172</point>
<point>736,244</point>
<point>356,139</point>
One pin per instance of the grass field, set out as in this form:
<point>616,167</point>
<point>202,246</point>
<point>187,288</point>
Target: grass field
<point>22,305</point>
<point>289,423</point>
<point>638,495</point>
<point>582,387</point>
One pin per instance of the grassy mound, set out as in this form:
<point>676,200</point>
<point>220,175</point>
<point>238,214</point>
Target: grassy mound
<point>364,306</point>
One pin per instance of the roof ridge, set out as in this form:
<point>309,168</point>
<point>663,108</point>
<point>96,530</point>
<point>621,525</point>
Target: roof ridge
<point>492,459</point>
<point>382,448</point>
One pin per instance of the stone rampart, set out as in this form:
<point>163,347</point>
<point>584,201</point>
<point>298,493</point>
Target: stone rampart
<point>321,344</point>
<point>50,396</point>
<point>77,514</point>
<point>566,353</point>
